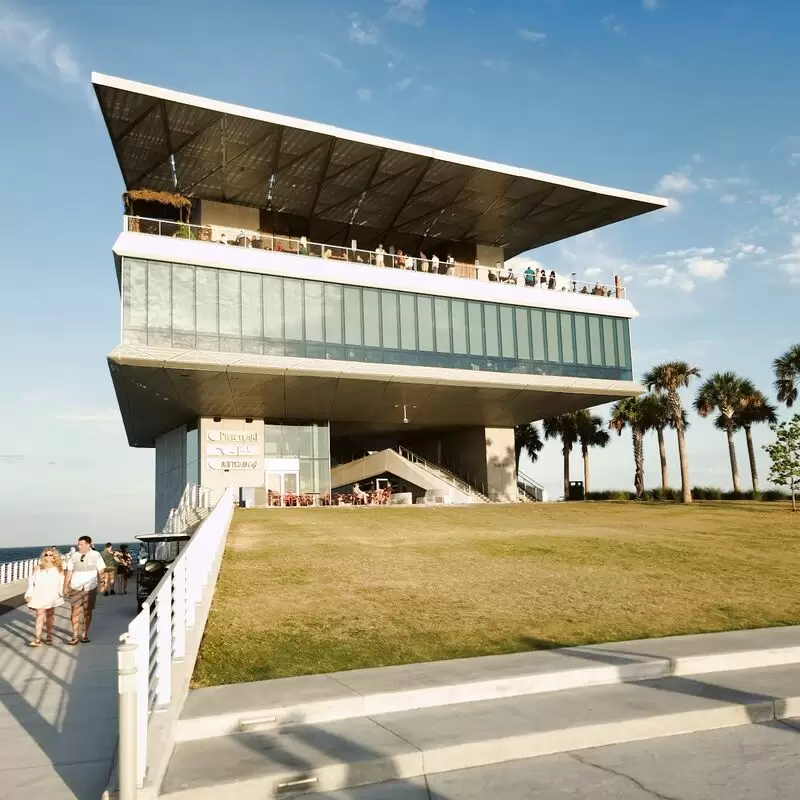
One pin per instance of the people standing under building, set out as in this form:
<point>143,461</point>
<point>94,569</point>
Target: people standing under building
<point>435,264</point>
<point>409,264</point>
<point>530,276</point>
<point>45,593</point>
<point>551,283</point>
<point>379,254</point>
<point>110,571</point>
<point>124,567</point>
<point>543,279</point>
<point>85,572</point>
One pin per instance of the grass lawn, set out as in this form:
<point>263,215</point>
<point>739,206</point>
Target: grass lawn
<point>317,590</point>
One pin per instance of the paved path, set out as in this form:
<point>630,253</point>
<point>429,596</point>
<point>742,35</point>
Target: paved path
<point>754,762</point>
<point>11,595</point>
<point>58,705</point>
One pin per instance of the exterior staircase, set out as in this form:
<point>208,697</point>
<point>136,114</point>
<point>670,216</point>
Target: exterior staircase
<point>436,481</point>
<point>529,490</point>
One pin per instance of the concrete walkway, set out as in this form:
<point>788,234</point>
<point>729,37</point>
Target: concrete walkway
<point>58,705</point>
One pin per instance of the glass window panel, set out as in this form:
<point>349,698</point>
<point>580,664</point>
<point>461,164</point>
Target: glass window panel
<point>537,334</point>
<point>475,317</point>
<point>333,314</point>
<point>581,339</point>
<point>567,339</point>
<point>595,343</point>
<point>551,321</point>
<point>623,343</point>
<point>323,475</point>
<point>252,315</point>
<point>273,307</point>
<point>322,445</point>
<point>408,322</point>
<point>293,308</point>
<point>313,311</point>
<point>523,333</point>
<point>306,439</point>
<point>372,317</point>
<point>441,308</point>
<point>507,326</point>
<point>134,294</point>
<point>272,441</point>
<point>230,310</point>
<point>490,329</point>
<point>425,316</point>
<point>307,476</point>
<point>352,316</point>
<point>609,345</point>
<point>458,311</point>
<point>391,335</point>
<point>159,302</point>
<point>291,441</point>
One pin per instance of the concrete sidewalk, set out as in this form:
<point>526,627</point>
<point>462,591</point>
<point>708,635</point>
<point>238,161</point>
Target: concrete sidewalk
<point>58,705</point>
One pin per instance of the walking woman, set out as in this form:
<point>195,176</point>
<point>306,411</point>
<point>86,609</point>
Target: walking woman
<point>124,567</point>
<point>44,593</point>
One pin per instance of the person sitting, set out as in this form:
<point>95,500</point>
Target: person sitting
<point>598,290</point>
<point>585,290</point>
<point>223,239</point>
<point>359,495</point>
<point>551,283</point>
<point>328,253</point>
<point>493,275</point>
<point>530,276</point>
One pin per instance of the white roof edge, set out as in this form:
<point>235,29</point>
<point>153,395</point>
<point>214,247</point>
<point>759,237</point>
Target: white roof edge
<point>99,79</point>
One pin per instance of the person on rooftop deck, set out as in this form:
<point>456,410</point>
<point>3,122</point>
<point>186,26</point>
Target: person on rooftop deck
<point>409,262</point>
<point>435,263</point>
<point>543,279</point>
<point>423,261</point>
<point>530,276</point>
<point>551,283</point>
<point>379,254</point>
<point>451,265</point>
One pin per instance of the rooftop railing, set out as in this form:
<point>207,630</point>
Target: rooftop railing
<point>539,280</point>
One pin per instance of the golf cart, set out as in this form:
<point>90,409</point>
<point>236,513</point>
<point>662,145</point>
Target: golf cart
<point>156,552</point>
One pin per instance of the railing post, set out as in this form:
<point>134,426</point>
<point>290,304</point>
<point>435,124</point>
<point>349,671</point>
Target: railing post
<point>142,637</point>
<point>128,729</point>
<point>188,588</point>
<point>164,646</point>
<point>179,610</point>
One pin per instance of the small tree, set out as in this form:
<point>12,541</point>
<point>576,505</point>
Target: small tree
<point>785,455</point>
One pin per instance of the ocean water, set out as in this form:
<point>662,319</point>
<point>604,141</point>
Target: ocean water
<point>8,554</point>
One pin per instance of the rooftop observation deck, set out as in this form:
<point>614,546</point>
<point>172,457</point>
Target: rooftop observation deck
<point>535,279</point>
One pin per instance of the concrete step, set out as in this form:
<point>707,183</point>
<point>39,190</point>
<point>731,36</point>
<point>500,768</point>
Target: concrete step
<point>312,699</point>
<point>332,756</point>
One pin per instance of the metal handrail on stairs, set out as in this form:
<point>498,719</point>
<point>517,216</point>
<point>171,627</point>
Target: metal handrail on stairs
<point>525,483</point>
<point>441,472</point>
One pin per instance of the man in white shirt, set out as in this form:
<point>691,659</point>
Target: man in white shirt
<point>379,254</point>
<point>84,572</point>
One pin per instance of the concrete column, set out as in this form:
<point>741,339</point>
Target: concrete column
<point>501,469</point>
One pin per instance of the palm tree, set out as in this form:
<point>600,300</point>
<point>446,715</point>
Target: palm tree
<point>659,418</point>
<point>564,427</point>
<point>632,413</point>
<point>725,392</point>
<point>669,378</point>
<point>787,375</point>
<point>528,440</point>
<point>591,433</point>
<point>756,408</point>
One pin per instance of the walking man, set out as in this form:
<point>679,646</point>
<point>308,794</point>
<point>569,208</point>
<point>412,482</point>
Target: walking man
<point>85,570</point>
<point>109,559</point>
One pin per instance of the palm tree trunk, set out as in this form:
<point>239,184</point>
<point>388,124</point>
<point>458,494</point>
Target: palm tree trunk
<point>752,455</point>
<point>734,466</point>
<point>686,489</point>
<point>662,452</point>
<point>638,459</point>
<point>585,471</point>
<point>566,472</point>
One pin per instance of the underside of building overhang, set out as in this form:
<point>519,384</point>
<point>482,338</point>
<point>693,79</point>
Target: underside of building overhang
<point>340,180</point>
<point>160,389</point>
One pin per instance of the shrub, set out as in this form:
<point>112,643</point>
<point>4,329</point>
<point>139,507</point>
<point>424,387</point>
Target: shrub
<point>774,495</point>
<point>706,493</point>
<point>666,494</point>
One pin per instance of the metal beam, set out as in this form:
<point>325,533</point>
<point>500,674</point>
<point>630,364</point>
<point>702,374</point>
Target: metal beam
<point>500,197</point>
<point>538,196</point>
<point>156,163</point>
<point>566,210</point>
<point>325,164</point>
<point>401,206</point>
<point>463,185</point>
<point>131,125</point>
<point>372,174</point>
<point>597,219</point>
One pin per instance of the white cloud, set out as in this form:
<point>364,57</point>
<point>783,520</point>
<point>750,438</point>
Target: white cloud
<point>790,262</point>
<point>362,31</point>
<point>520,263</point>
<point>29,45</point>
<point>650,5</point>
<point>669,276</point>
<point>402,85</point>
<point>495,65</point>
<point>592,272</point>
<point>752,250</point>
<point>531,36</point>
<point>690,252</point>
<point>794,159</point>
<point>364,95</point>
<point>612,24</point>
<point>675,182</point>
<point>789,212</point>
<point>673,208</point>
<point>728,199</point>
<point>336,63</point>
<point>412,12</point>
<point>770,199</point>
<point>707,268</point>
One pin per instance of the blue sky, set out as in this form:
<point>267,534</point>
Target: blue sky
<point>692,100</point>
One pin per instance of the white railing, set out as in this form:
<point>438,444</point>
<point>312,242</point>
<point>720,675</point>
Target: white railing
<point>259,240</point>
<point>17,570</point>
<point>530,486</point>
<point>159,630</point>
<point>441,473</point>
<point>185,514</point>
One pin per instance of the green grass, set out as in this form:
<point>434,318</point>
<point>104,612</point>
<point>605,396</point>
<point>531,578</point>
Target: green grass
<point>306,591</point>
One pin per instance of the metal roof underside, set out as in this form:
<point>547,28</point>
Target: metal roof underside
<point>339,179</point>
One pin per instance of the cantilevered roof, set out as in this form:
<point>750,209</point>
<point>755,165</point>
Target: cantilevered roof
<point>171,141</point>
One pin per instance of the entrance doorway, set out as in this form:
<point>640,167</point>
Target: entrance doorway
<point>281,484</point>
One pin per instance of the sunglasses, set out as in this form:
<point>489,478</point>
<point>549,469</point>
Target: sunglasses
<point>49,555</point>
<point>83,557</point>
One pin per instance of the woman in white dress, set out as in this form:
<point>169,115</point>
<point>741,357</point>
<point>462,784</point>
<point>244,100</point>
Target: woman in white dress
<point>45,593</point>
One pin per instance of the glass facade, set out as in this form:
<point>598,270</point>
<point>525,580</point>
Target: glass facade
<point>301,448</point>
<point>178,305</point>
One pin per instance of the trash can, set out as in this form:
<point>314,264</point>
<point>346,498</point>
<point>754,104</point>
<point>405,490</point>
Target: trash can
<point>576,491</point>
